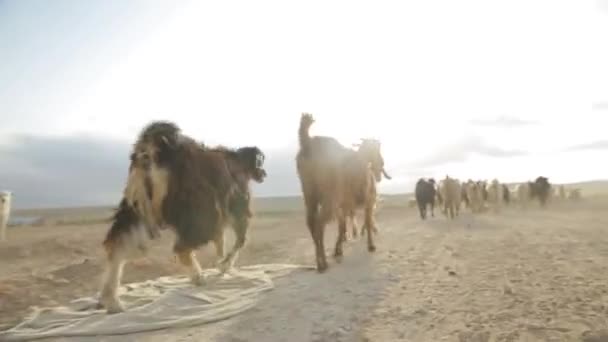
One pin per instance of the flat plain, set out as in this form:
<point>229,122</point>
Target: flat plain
<point>517,275</point>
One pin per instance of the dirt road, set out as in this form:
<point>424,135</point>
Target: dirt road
<point>538,275</point>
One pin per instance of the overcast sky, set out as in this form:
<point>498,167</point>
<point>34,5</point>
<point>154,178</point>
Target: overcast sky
<point>473,89</point>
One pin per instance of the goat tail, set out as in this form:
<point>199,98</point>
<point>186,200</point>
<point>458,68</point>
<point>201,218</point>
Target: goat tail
<point>303,133</point>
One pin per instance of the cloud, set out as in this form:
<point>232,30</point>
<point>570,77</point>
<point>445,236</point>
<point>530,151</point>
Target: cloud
<point>600,105</point>
<point>595,145</point>
<point>503,121</point>
<point>55,172</point>
<point>461,151</point>
<point>602,5</point>
<point>84,171</point>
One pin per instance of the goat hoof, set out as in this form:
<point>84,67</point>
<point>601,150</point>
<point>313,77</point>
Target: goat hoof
<point>225,265</point>
<point>115,309</point>
<point>338,255</point>
<point>371,248</point>
<point>321,267</point>
<point>198,280</point>
<point>112,306</point>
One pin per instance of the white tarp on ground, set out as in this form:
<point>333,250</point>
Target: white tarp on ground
<point>167,302</point>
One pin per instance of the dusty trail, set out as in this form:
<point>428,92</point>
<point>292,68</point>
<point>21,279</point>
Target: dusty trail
<point>507,277</point>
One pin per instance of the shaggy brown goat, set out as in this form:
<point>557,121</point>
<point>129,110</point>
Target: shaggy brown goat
<point>176,183</point>
<point>335,180</point>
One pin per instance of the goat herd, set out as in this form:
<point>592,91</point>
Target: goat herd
<point>175,182</point>
<point>478,195</point>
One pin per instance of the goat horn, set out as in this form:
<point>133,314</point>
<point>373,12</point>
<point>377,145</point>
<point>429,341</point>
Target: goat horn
<point>386,174</point>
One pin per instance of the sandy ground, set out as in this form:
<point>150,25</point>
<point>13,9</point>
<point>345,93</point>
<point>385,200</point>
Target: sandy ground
<point>537,275</point>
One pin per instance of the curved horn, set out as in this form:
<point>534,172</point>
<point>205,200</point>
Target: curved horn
<point>386,175</point>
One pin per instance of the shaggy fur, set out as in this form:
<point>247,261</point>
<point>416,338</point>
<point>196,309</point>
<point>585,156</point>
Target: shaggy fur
<point>425,195</point>
<point>335,181</point>
<point>176,183</point>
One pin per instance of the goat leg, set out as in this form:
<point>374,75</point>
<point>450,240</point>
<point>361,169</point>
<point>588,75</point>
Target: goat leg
<point>338,252</point>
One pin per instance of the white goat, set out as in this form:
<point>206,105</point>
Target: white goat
<point>5,211</point>
<point>451,193</point>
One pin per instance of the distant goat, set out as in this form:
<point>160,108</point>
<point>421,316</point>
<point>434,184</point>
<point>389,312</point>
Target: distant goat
<point>464,195</point>
<point>495,195</point>
<point>451,193</point>
<point>425,196</point>
<point>474,195</point>
<point>562,192</point>
<point>574,194</point>
<point>5,212</point>
<point>506,194</point>
<point>540,189</point>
